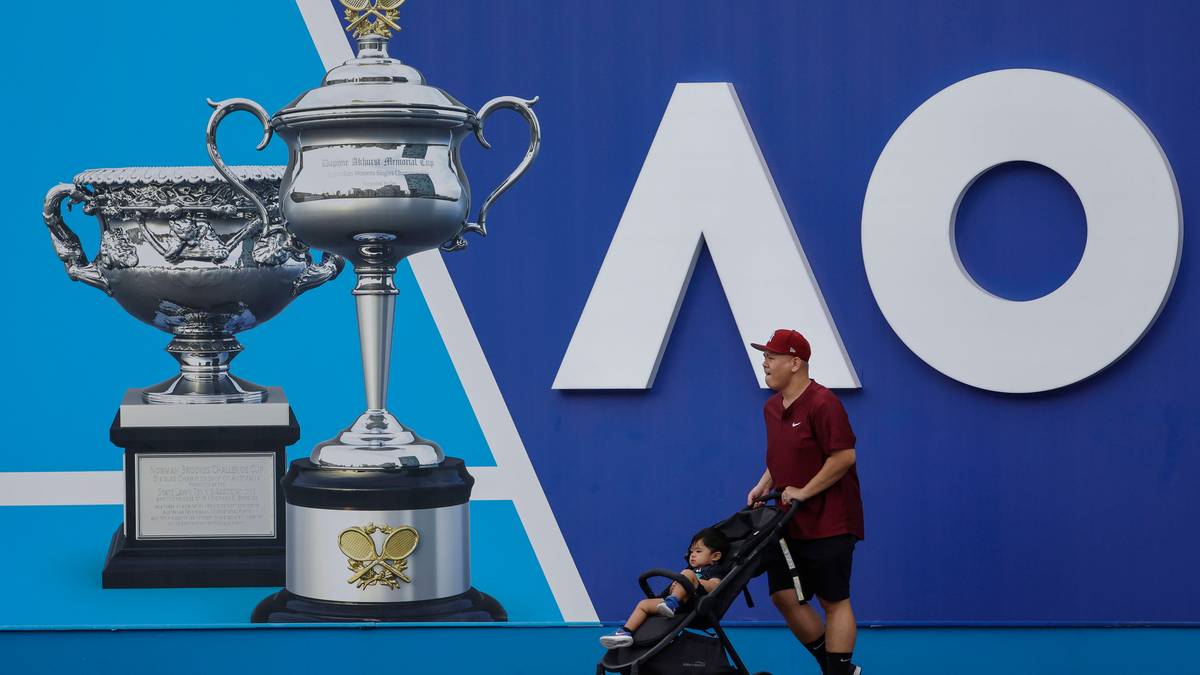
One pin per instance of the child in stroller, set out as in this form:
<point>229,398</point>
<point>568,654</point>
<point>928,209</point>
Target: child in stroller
<point>692,642</point>
<point>704,569</point>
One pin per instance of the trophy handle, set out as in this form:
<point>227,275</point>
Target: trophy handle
<point>318,273</point>
<point>522,106</point>
<point>223,108</point>
<point>66,243</point>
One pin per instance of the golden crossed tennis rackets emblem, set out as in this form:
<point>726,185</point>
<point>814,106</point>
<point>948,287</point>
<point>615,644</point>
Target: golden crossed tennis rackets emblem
<point>382,11</point>
<point>372,566</point>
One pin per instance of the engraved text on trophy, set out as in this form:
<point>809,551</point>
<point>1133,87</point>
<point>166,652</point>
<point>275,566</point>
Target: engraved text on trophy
<point>412,170</point>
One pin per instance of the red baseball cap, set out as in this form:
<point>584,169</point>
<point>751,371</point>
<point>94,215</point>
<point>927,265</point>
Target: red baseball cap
<point>787,342</point>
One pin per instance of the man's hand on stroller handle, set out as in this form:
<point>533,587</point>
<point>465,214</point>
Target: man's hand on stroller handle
<point>791,494</point>
<point>759,493</point>
<point>758,500</point>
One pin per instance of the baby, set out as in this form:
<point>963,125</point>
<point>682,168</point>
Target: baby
<point>704,569</point>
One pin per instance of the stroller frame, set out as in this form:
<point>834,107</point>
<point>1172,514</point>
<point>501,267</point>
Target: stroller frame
<point>706,608</point>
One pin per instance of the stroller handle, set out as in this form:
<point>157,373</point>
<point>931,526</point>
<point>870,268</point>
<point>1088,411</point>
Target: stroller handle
<point>775,495</point>
<point>770,496</point>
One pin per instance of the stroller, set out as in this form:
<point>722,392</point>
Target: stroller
<point>672,646</point>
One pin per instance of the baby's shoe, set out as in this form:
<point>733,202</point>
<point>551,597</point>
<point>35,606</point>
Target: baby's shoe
<point>621,638</point>
<point>668,606</point>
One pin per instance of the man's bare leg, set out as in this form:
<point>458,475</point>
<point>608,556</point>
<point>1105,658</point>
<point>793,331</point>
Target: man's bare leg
<point>841,631</point>
<point>840,635</point>
<point>804,621</point>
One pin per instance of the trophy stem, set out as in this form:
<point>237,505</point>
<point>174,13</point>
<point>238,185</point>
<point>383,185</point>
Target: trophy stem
<point>375,297</point>
<point>376,439</point>
<point>204,374</point>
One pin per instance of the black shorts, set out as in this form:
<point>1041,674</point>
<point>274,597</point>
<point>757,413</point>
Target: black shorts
<point>822,566</point>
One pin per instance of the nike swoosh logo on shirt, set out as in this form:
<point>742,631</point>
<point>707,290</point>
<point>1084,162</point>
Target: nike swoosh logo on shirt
<point>796,424</point>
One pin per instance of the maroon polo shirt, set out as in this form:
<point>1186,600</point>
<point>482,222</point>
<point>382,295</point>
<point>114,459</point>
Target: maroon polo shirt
<point>799,439</point>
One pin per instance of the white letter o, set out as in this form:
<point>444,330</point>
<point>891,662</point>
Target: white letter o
<point>1134,230</point>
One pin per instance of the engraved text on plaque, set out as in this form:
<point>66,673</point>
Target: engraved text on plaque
<point>197,495</point>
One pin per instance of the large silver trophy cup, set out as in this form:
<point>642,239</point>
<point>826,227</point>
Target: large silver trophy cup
<point>189,253</point>
<point>378,517</point>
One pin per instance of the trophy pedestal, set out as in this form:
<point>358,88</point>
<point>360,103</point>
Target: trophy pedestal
<point>378,544</point>
<point>202,502</point>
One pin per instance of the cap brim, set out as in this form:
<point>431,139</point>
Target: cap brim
<point>761,348</point>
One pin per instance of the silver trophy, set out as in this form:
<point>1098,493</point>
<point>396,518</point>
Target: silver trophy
<point>186,251</point>
<point>375,175</point>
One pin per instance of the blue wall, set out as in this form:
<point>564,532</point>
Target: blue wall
<point>1071,506</point>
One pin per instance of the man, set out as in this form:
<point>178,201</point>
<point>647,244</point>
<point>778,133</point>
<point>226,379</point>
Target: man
<point>810,459</point>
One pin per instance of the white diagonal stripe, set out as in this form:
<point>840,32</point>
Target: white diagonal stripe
<point>323,25</point>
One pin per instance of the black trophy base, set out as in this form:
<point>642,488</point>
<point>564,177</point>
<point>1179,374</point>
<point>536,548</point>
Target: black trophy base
<point>286,607</point>
<point>186,566</point>
<point>203,505</point>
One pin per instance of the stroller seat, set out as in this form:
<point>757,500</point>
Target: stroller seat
<point>664,646</point>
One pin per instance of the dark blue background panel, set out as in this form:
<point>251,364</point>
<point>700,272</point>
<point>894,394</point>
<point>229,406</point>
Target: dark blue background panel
<point>1074,505</point>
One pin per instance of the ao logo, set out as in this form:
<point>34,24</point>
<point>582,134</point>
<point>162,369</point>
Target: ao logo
<point>705,180</point>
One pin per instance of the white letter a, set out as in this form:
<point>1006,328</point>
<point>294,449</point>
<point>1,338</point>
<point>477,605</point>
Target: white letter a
<point>704,180</point>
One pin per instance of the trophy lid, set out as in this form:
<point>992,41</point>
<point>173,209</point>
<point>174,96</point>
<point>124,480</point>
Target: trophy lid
<point>372,80</point>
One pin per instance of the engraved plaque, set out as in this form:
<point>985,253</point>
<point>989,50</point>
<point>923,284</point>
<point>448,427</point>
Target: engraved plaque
<point>205,495</point>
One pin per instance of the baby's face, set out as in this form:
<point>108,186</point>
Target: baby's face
<point>701,555</point>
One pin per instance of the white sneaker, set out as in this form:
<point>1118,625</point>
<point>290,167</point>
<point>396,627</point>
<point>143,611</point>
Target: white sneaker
<point>616,640</point>
<point>664,610</point>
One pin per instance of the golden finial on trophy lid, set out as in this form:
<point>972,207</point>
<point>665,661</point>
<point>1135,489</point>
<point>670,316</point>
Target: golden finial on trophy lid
<point>372,17</point>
